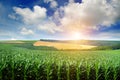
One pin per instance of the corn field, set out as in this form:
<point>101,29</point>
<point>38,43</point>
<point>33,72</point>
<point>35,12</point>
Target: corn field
<point>26,64</point>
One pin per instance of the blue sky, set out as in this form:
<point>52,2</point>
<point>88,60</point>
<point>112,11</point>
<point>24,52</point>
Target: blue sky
<point>59,19</point>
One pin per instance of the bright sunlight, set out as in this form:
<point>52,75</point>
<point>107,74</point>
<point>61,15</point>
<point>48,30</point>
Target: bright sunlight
<point>76,36</point>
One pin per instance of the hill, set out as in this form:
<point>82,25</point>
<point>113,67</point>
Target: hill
<point>98,44</point>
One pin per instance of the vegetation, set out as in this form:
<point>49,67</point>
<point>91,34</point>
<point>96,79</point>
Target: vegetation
<point>112,47</point>
<point>24,62</point>
<point>101,44</point>
<point>87,42</point>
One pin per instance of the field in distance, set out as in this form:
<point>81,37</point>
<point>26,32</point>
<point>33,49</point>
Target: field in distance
<point>63,45</point>
<point>79,44</point>
<point>21,60</point>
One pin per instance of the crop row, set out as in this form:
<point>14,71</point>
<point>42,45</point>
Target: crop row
<point>24,64</point>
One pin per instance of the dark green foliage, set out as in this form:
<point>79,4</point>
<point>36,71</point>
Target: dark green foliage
<point>19,71</point>
<point>54,69</point>
<point>42,73</point>
<point>118,72</point>
<point>92,73</point>
<point>63,72</point>
<point>7,72</point>
<point>113,47</point>
<point>73,71</point>
<point>83,75</point>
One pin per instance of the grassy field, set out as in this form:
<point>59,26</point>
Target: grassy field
<point>23,61</point>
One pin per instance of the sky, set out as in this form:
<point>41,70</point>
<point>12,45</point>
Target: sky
<point>59,19</point>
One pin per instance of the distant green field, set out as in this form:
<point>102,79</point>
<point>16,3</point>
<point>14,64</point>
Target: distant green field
<point>101,44</point>
<point>26,62</point>
<point>87,42</point>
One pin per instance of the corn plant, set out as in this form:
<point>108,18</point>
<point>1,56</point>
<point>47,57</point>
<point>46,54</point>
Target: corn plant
<point>68,65</point>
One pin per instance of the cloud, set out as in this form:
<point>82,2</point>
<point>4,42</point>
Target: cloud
<point>37,19</point>
<point>50,27</point>
<point>4,33</point>
<point>108,36</point>
<point>116,5</point>
<point>29,16</point>
<point>47,1</point>
<point>8,35</point>
<point>12,16</point>
<point>25,31</point>
<point>71,1</point>
<point>84,17</point>
<point>53,3</point>
<point>90,14</point>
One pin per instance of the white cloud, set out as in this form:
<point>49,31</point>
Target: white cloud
<point>47,1</point>
<point>50,27</point>
<point>25,31</point>
<point>29,16</point>
<point>74,16</point>
<point>53,4</point>
<point>71,1</point>
<point>9,35</point>
<point>37,19</point>
<point>116,5</point>
<point>89,14</point>
<point>108,36</point>
<point>12,17</point>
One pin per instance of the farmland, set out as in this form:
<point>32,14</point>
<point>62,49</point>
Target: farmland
<point>23,61</point>
<point>63,46</point>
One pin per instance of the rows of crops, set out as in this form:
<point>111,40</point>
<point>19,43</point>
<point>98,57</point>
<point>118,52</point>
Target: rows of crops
<point>25,64</point>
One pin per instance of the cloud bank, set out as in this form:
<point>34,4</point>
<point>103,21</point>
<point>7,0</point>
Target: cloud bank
<point>86,16</point>
<point>90,15</point>
<point>38,18</point>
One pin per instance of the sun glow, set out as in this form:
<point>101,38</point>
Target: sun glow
<point>76,36</point>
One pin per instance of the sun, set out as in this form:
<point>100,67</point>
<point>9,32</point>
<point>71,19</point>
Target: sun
<point>76,36</point>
